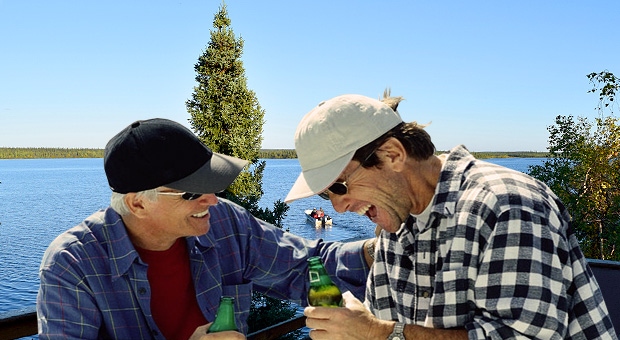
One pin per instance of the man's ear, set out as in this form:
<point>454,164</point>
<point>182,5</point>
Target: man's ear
<point>394,154</point>
<point>135,204</point>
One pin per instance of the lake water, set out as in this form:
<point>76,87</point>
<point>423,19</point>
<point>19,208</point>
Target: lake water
<point>41,198</point>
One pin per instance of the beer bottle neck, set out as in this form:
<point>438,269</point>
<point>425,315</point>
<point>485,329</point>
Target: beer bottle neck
<point>225,317</point>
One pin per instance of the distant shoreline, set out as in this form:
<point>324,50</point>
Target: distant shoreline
<point>41,153</point>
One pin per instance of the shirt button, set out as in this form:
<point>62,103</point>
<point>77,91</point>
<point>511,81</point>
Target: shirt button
<point>426,294</point>
<point>141,290</point>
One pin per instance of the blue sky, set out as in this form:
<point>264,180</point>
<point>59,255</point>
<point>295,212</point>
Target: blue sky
<point>489,74</point>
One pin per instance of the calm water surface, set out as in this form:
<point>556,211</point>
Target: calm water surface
<point>41,198</point>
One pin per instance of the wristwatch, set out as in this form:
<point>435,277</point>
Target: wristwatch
<point>397,333</point>
<point>370,248</point>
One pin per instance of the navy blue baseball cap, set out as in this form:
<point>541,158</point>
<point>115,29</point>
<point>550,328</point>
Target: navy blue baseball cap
<point>159,152</point>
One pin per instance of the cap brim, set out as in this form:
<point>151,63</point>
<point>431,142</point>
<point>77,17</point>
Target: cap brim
<point>214,176</point>
<point>314,181</point>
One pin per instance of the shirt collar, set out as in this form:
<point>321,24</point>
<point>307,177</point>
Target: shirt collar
<point>114,237</point>
<point>450,180</point>
<point>122,253</point>
<point>205,241</point>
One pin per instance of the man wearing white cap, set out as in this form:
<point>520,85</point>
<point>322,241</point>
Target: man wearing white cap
<point>468,249</point>
<point>155,263</point>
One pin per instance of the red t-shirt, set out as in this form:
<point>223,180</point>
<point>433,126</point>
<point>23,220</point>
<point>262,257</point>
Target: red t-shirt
<point>173,297</point>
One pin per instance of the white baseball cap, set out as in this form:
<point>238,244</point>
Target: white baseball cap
<point>328,136</point>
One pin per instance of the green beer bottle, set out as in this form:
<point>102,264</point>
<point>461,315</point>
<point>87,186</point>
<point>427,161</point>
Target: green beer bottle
<point>225,316</point>
<point>323,292</point>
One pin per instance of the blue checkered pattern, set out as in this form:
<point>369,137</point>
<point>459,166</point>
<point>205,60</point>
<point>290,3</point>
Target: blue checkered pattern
<point>497,257</point>
<point>94,285</point>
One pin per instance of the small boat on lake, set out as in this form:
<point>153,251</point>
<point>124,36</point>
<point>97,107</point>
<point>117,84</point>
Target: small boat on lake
<point>317,221</point>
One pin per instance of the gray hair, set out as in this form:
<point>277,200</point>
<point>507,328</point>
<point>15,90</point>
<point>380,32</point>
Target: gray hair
<point>117,201</point>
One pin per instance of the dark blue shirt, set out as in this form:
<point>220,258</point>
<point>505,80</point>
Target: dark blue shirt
<point>94,284</point>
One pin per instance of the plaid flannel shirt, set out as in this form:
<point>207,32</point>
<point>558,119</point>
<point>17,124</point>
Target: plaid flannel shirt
<point>94,284</point>
<point>497,257</point>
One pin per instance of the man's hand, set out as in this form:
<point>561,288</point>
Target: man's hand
<point>201,334</point>
<point>353,321</point>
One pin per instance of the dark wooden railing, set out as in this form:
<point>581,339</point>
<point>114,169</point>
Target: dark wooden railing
<point>23,322</point>
<point>279,329</point>
<point>18,323</point>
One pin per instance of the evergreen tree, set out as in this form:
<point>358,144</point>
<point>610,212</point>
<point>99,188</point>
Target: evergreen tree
<point>226,115</point>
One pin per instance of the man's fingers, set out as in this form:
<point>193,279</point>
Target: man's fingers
<point>317,323</point>
<point>348,300</point>
<point>348,295</point>
<point>309,311</point>
<point>320,312</point>
<point>317,334</point>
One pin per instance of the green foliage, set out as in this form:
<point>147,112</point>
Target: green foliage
<point>226,115</point>
<point>38,153</point>
<point>606,84</point>
<point>277,154</point>
<point>10,153</point>
<point>265,310</point>
<point>518,154</point>
<point>503,154</point>
<point>583,169</point>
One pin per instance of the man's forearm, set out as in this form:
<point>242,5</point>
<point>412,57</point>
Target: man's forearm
<point>414,332</point>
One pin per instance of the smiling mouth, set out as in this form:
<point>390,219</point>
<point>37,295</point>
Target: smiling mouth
<point>369,211</point>
<point>362,211</point>
<point>202,214</point>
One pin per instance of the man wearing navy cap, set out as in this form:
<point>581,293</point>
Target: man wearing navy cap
<point>156,262</point>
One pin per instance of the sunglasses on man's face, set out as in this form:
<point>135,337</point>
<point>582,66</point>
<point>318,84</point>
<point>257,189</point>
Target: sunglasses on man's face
<point>188,196</point>
<point>341,188</point>
<point>338,188</point>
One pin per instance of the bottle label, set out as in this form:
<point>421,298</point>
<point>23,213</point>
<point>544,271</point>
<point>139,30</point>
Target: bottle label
<point>314,276</point>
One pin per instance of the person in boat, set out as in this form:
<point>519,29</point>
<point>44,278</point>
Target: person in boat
<point>155,263</point>
<point>313,213</point>
<point>319,214</point>
<point>324,216</point>
<point>467,248</point>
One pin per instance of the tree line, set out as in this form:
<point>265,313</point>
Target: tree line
<point>277,154</point>
<point>37,153</point>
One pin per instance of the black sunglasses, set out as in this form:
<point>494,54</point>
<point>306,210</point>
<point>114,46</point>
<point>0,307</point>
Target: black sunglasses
<point>188,196</point>
<point>341,188</point>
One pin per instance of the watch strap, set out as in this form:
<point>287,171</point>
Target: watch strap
<point>397,333</point>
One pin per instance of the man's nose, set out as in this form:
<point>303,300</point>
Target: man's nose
<point>209,199</point>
